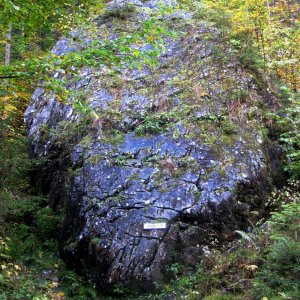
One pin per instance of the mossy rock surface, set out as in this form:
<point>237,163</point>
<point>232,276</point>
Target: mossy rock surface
<point>178,143</point>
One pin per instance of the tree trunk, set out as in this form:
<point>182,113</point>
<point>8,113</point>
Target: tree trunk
<point>74,13</point>
<point>8,50</point>
<point>8,46</point>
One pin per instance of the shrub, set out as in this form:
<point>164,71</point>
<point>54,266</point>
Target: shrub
<point>279,276</point>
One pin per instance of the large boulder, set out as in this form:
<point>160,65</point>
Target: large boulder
<point>166,159</point>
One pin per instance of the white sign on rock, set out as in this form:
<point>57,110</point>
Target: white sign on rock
<point>155,225</point>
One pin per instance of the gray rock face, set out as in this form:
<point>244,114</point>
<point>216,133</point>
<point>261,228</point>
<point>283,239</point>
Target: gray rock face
<point>177,145</point>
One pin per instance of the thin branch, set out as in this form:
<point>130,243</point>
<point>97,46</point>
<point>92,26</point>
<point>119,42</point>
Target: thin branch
<point>10,76</point>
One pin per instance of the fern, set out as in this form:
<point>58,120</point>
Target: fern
<point>245,236</point>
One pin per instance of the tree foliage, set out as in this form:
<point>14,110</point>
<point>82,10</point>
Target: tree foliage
<point>271,26</point>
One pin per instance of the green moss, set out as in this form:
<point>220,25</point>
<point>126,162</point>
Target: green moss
<point>95,241</point>
<point>134,176</point>
<point>44,132</point>
<point>67,133</point>
<point>123,12</point>
<point>73,172</point>
<point>96,158</point>
<point>113,136</point>
<point>122,160</point>
<point>85,141</point>
<point>228,126</point>
<point>155,123</point>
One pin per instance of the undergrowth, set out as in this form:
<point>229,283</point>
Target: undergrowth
<point>30,267</point>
